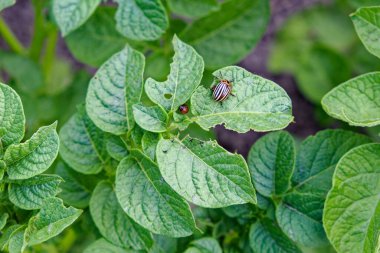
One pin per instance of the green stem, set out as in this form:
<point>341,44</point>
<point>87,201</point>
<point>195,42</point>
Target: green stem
<point>12,41</point>
<point>39,31</point>
<point>51,45</point>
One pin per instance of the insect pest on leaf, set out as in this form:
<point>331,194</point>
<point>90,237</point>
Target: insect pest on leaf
<point>222,90</point>
<point>183,109</point>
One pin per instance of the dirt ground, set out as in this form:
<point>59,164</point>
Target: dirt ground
<point>20,18</point>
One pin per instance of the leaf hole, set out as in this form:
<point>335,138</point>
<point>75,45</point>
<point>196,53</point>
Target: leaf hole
<point>168,95</point>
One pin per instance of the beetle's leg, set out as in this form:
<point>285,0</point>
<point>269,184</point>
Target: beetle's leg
<point>233,95</point>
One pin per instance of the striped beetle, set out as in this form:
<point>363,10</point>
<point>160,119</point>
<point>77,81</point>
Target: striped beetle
<point>222,90</point>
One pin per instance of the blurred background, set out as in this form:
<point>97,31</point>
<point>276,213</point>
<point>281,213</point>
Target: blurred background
<point>309,47</point>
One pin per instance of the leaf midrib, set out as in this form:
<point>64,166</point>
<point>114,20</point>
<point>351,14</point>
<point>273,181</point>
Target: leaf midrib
<point>14,161</point>
<point>207,165</point>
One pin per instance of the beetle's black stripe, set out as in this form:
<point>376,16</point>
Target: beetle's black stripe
<point>221,91</point>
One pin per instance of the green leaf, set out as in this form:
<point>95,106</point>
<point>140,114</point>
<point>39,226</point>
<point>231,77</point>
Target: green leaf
<point>3,220</point>
<point>367,25</point>
<point>356,101</point>
<point>204,173</point>
<point>240,211</point>
<point>300,212</point>
<point>146,198</point>
<point>3,167</point>
<point>116,86</point>
<point>12,116</point>
<point>141,19</point>
<point>265,236</point>
<point>76,189</point>
<point>257,104</point>
<point>17,242</point>
<point>83,144</point>
<point>113,223</point>
<point>6,234</point>
<point>71,14</point>
<point>271,161</point>
<point>98,35</point>
<point>185,75</point>
<point>102,246</point>
<point>352,213</point>
<point>136,136</point>
<point>193,8</point>
<point>299,226</point>
<point>153,118</point>
<point>30,194</point>
<point>116,147</point>
<point>34,156</point>
<point>320,69</point>
<point>149,143</point>
<point>222,38</point>
<point>205,245</point>
<point>52,219</point>
<point>27,74</point>
<point>6,3</point>
<point>164,244</point>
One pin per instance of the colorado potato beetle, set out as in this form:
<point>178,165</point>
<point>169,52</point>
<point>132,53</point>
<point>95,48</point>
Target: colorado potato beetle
<point>222,90</point>
<point>183,109</point>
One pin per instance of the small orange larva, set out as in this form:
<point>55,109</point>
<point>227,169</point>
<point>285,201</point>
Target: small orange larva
<point>183,109</point>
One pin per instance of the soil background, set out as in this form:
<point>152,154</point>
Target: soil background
<point>20,19</point>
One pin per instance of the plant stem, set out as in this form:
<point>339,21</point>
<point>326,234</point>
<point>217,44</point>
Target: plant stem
<point>51,45</point>
<point>39,31</point>
<point>12,41</point>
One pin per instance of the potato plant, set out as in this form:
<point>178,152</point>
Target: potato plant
<point>139,170</point>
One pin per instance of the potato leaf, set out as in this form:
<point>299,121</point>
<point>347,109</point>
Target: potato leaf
<point>17,241</point>
<point>12,116</point>
<point>83,144</point>
<point>356,101</point>
<point>70,14</point>
<point>6,3</point>
<point>367,25</point>
<point>352,213</point>
<point>300,212</point>
<point>34,156</point>
<point>102,246</point>
<point>116,147</point>
<point>116,86</point>
<point>204,173</point>
<point>146,198</point>
<point>149,143</point>
<point>113,223</point>
<point>193,8</point>
<point>30,194</point>
<point>51,220</point>
<point>271,161</point>
<point>265,236</point>
<point>256,103</point>
<point>98,35</point>
<point>226,36</point>
<point>76,189</point>
<point>185,75</point>
<point>141,19</point>
<point>153,118</point>
<point>204,245</point>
